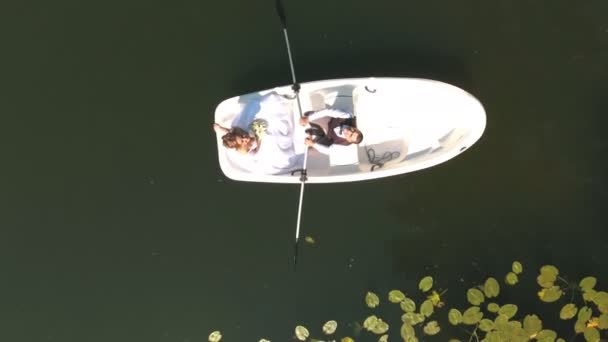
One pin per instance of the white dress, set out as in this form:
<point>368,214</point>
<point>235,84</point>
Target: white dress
<point>276,154</point>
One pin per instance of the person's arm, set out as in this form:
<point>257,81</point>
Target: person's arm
<point>321,148</point>
<point>220,129</point>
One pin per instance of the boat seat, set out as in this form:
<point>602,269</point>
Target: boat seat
<point>344,155</point>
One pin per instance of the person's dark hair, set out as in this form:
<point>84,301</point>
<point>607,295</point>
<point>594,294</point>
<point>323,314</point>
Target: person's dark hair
<point>359,137</point>
<point>229,139</point>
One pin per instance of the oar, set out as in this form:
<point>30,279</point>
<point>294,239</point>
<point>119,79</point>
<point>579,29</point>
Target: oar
<point>296,89</point>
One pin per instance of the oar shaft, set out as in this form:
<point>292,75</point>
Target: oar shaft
<point>293,73</point>
<point>301,199</point>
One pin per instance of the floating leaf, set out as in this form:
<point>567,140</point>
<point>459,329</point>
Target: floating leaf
<point>264,340</point>
<point>408,305</point>
<point>486,325</point>
<point>532,325</point>
<point>601,298</point>
<point>560,340</point>
<point>568,311</point>
<point>435,299</point>
<point>546,335</point>
<point>511,278</point>
<point>551,294</point>
<point>396,296</point>
<point>309,239</point>
<point>589,295</point>
<point>347,339</point>
<point>383,338</point>
<point>215,336</point>
<point>370,322</point>
<point>330,327</point>
<point>587,283</point>
<point>545,280</point>
<point>412,318</point>
<point>472,315</point>
<point>584,314</point>
<point>426,308</point>
<point>431,328</point>
<point>508,310</point>
<point>501,323</point>
<point>454,316</point>
<point>302,333</point>
<point>474,296</point>
<point>549,270</point>
<point>425,284</point>
<point>591,335</point>
<point>493,307</point>
<point>491,288</point>
<point>407,332</point>
<point>372,300</point>
<point>579,326</point>
<point>516,267</point>
<point>380,327</point>
<point>603,322</point>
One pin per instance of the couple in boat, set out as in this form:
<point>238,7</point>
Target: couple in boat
<point>263,134</point>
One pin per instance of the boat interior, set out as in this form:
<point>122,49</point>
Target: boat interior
<point>406,126</point>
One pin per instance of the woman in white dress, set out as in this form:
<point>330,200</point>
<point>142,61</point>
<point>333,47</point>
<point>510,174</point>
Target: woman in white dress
<point>267,141</point>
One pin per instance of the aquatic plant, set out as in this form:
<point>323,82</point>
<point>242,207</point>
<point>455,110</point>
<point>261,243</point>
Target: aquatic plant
<point>485,319</point>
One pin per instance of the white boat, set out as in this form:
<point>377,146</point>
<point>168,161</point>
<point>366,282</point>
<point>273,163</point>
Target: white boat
<point>408,124</point>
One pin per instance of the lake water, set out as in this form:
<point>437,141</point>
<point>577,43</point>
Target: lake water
<point>118,225</point>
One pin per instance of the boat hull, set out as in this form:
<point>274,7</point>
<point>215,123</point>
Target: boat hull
<point>408,124</point>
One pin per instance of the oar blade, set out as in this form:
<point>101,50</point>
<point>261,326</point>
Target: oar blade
<point>281,13</point>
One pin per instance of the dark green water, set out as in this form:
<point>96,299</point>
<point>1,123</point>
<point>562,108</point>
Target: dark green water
<point>116,223</point>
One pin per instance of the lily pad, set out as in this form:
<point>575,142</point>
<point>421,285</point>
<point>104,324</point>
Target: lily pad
<point>474,296</point>
<point>330,327</point>
<point>589,295</point>
<point>551,294</point>
<point>601,298</point>
<point>508,310</point>
<point>591,335</point>
<point>486,325</point>
<point>587,283</point>
<point>215,336</point>
<point>396,296</point>
<point>370,322</point>
<point>264,340</point>
<point>431,328</point>
<point>603,322</point>
<point>347,339</point>
<point>511,278</point>
<point>568,311</point>
<point>309,239</point>
<point>425,284</point>
<point>549,270</point>
<point>584,314</point>
<point>516,267</point>
<point>546,335</point>
<point>545,280</point>
<point>383,338</point>
<point>493,307</point>
<point>408,305</point>
<point>372,300</point>
<point>407,332</point>
<point>532,325</point>
<point>472,315</point>
<point>426,308</point>
<point>379,328</point>
<point>454,316</point>
<point>491,288</point>
<point>302,333</point>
